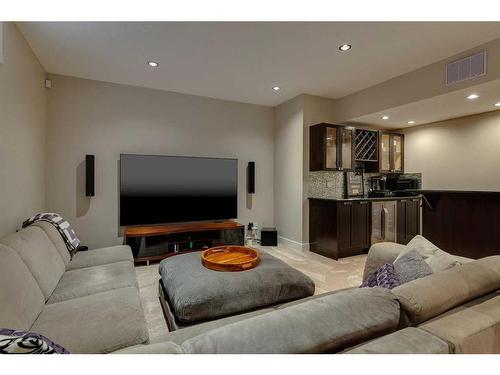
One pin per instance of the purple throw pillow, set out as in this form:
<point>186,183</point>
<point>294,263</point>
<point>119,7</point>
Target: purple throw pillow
<point>51,347</point>
<point>384,277</point>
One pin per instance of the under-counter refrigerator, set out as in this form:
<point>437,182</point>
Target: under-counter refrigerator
<point>383,221</point>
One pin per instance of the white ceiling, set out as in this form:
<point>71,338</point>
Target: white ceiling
<point>243,61</point>
<point>438,108</point>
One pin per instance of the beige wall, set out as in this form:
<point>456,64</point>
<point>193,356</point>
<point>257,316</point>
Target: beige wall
<point>416,85</point>
<point>456,154</point>
<point>288,167</point>
<point>22,132</point>
<point>291,163</point>
<point>90,117</point>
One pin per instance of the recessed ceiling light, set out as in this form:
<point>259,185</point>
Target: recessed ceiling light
<point>385,117</point>
<point>473,96</point>
<point>276,88</point>
<point>345,47</point>
<point>153,64</point>
<point>497,104</point>
<point>411,122</point>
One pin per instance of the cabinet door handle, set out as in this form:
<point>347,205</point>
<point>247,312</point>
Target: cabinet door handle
<point>347,203</point>
<point>363,202</point>
<point>383,222</point>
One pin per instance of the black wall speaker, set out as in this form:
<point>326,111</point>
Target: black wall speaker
<point>251,177</point>
<point>89,175</point>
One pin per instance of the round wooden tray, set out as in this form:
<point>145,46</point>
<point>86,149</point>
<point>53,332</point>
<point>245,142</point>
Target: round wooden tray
<point>230,258</point>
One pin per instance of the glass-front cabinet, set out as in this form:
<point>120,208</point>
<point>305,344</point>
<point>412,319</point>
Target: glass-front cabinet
<point>331,147</point>
<point>391,153</point>
<point>397,145</point>
<point>347,135</point>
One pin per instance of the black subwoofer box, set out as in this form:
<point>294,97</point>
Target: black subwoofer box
<point>268,237</point>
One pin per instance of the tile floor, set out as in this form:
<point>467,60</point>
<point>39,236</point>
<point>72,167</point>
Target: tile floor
<point>327,274</point>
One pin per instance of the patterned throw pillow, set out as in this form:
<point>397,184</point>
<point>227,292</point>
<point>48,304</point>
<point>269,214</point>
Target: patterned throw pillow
<point>411,266</point>
<point>24,342</point>
<point>384,277</point>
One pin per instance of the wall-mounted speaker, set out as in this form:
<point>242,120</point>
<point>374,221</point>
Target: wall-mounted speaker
<point>251,177</point>
<point>89,175</point>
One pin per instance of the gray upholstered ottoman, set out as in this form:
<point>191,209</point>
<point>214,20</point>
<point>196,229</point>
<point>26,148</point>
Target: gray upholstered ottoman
<point>191,293</point>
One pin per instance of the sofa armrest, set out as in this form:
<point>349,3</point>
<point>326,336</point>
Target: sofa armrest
<point>379,254</point>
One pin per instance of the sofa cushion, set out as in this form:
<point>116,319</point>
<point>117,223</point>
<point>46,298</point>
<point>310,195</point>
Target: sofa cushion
<point>405,341</point>
<point>197,293</point>
<point>56,239</point>
<point>411,266</point>
<point>99,323</point>
<point>425,298</point>
<point>325,324</point>
<point>21,299</point>
<point>98,257</point>
<point>473,327</point>
<point>25,342</point>
<point>92,280</point>
<point>436,258</point>
<point>40,255</point>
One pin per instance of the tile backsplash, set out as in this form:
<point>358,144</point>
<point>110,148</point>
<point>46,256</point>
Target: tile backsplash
<point>330,184</point>
<point>326,184</point>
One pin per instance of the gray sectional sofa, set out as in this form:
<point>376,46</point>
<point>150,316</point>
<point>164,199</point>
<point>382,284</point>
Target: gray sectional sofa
<point>91,304</point>
<point>453,311</point>
<point>88,304</point>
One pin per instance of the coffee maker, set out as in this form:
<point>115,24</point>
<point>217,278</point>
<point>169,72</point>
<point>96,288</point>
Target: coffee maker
<point>378,187</point>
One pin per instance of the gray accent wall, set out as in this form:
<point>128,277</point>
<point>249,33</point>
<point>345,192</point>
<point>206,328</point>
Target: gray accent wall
<point>105,119</point>
<point>22,131</point>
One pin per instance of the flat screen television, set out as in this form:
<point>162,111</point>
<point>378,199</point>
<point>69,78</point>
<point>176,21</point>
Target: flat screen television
<point>164,189</point>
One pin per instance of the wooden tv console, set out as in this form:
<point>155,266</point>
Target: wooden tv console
<point>152,243</point>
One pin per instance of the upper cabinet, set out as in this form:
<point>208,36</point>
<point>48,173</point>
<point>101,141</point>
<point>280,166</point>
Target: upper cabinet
<point>331,147</point>
<point>338,147</point>
<point>391,153</point>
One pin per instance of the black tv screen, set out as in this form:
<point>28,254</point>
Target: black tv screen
<point>164,189</point>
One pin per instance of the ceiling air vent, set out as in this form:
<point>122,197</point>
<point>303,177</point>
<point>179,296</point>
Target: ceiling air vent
<point>466,68</point>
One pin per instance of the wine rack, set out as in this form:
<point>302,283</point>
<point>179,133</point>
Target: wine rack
<point>366,145</point>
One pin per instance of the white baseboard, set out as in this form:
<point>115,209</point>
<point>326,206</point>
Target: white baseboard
<point>293,244</point>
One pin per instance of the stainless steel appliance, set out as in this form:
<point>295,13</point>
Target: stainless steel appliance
<point>383,221</point>
<point>378,187</point>
<point>392,185</point>
<point>400,184</point>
